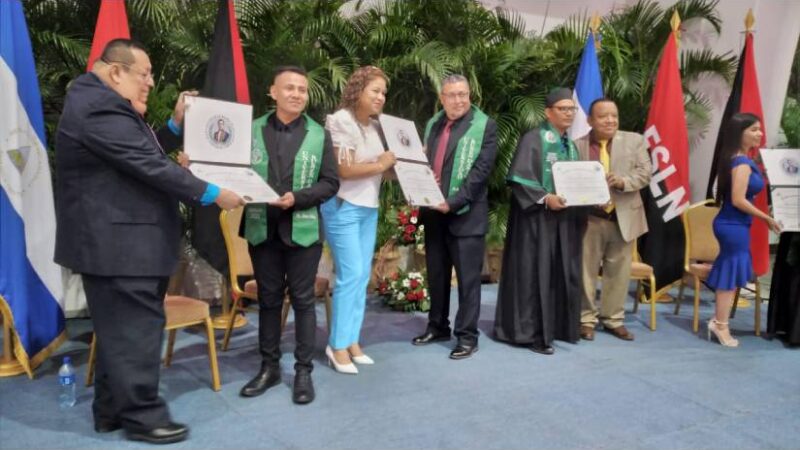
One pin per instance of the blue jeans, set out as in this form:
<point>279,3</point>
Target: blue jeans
<point>350,231</point>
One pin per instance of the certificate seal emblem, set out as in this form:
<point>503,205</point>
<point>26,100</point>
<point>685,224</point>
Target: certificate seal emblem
<point>255,156</point>
<point>790,166</point>
<point>220,131</point>
<point>550,137</point>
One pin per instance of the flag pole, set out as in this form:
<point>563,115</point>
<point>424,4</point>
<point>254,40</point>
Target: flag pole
<point>749,21</point>
<point>675,22</point>
<point>9,366</point>
<point>594,25</point>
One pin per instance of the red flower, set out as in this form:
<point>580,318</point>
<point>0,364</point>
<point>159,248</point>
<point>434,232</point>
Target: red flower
<point>409,296</point>
<point>414,212</point>
<point>414,284</point>
<point>410,228</point>
<point>395,276</point>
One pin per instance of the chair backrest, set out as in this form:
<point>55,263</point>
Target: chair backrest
<point>701,245</point>
<point>239,263</point>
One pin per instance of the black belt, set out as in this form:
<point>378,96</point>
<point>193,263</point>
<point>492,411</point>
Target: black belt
<point>601,213</point>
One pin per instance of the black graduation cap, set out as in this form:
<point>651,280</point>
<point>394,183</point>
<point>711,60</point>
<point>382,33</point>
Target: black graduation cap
<point>556,95</point>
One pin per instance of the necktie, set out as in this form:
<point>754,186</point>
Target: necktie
<point>441,149</point>
<point>605,160</point>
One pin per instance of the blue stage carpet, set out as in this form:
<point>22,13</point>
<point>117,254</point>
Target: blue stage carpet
<point>667,389</point>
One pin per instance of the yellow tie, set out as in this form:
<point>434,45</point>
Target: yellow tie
<point>605,160</point>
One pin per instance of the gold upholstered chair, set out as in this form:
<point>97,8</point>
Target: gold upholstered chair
<point>240,267</point>
<point>702,249</point>
<point>180,312</point>
<point>643,272</point>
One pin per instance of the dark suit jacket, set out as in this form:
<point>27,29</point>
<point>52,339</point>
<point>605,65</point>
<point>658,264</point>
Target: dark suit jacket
<point>117,191</point>
<point>281,177</point>
<point>473,191</point>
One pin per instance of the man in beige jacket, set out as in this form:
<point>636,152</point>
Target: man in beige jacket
<point>612,229</point>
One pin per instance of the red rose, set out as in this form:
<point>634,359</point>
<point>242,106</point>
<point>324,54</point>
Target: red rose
<point>409,296</point>
<point>410,229</point>
<point>414,212</point>
<point>414,284</point>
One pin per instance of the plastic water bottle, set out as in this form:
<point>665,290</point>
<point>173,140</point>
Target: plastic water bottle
<point>66,378</point>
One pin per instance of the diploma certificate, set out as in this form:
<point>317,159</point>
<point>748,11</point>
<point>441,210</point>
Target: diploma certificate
<point>783,166</point>
<point>402,138</point>
<point>418,184</point>
<point>240,179</point>
<point>581,183</point>
<point>217,131</point>
<point>786,207</point>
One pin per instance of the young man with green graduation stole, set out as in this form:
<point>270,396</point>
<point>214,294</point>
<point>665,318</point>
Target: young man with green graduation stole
<point>461,145</point>
<point>539,298</point>
<point>294,155</point>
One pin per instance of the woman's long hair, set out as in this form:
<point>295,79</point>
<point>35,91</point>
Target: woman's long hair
<point>356,84</point>
<point>731,144</point>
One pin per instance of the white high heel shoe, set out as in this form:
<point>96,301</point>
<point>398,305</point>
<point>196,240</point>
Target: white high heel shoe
<point>348,368</point>
<point>362,359</point>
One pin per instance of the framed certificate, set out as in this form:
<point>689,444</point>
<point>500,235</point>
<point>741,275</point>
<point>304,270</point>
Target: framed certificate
<point>581,183</point>
<point>217,131</point>
<point>783,172</point>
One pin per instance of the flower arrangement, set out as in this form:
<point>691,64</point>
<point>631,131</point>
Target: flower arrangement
<point>409,230</point>
<point>405,291</point>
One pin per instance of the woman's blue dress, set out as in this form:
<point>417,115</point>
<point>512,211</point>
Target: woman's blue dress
<point>734,265</point>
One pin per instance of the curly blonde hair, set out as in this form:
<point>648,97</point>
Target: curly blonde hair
<point>356,84</point>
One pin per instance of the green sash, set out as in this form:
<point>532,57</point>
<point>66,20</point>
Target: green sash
<point>551,151</point>
<point>469,146</point>
<point>305,223</point>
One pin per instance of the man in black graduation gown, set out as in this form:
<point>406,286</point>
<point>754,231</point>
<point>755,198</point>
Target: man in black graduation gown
<point>539,298</point>
<point>784,295</point>
<point>461,143</point>
<point>294,155</point>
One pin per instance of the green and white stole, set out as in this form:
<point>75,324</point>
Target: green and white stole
<point>305,223</point>
<point>552,150</point>
<point>469,146</point>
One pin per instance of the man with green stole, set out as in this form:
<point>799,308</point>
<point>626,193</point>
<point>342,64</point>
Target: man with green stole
<point>539,298</point>
<point>294,155</point>
<point>461,144</point>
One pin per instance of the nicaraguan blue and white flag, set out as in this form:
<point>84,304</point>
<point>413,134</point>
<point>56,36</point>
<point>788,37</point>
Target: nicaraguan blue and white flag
<point>30,282</point>
<point>588,88</point>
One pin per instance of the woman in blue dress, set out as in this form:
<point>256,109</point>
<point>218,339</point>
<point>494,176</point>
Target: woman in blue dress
<point>738,181</point>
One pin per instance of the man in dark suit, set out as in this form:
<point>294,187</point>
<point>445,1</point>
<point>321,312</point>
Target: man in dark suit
<point>461,144</point>
<point>294,155</point>
<point>118,226</point>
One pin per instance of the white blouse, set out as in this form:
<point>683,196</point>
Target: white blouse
<point>365,143</point>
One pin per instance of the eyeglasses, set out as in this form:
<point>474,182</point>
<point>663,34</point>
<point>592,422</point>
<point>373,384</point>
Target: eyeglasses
<point>143,75</point>
<point>566,109</point>
<point>456,95</point>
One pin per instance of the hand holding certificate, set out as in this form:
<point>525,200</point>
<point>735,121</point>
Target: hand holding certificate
<point>581,183</point>
<point>217,140</point>
<point>413,173</point>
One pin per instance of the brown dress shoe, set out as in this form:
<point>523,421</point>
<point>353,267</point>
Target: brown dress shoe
<point>587,332</point>
<point>620,332</point>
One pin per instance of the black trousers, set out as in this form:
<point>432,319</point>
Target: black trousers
<point>276,266</point>
<point>443,251</point>
<point>128,318</point>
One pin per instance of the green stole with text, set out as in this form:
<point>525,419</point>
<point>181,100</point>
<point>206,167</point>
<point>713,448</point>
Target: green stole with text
<point>469,146</point>
<point>305,223</point>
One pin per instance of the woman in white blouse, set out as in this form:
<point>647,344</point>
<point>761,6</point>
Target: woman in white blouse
<point>351,217</point>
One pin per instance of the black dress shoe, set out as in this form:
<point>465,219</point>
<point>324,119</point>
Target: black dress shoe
<point>265,379</point>
<point>429,337</point>
<point>303,390</point>
<point>543,349</point>
<point>106,426</point>
<point>463,351</point>
<point>174,432</point>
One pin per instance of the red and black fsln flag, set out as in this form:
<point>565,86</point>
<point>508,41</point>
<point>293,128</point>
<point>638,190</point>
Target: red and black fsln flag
<point>226,79</point>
